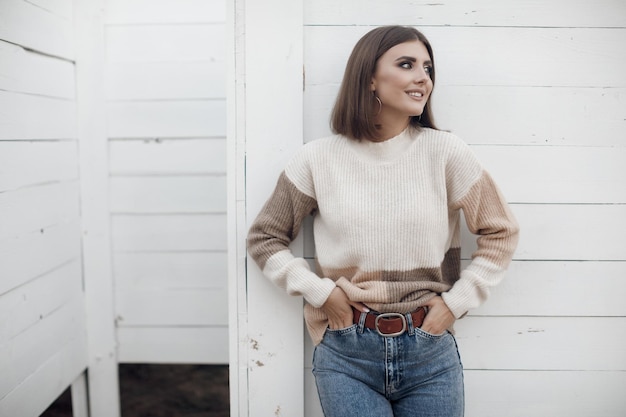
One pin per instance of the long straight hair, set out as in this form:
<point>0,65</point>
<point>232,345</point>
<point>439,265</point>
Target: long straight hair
<point>354,113</point>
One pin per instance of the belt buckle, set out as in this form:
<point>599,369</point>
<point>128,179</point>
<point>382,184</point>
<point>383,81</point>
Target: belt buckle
<point>389,315</point>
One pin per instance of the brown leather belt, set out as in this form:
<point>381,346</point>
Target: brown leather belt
<point>390,324</point>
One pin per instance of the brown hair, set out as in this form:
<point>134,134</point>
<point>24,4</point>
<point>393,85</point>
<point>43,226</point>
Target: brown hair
<point>355,108</point>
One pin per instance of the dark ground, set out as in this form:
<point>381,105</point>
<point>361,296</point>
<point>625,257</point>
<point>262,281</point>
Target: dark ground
<point>165,391</point>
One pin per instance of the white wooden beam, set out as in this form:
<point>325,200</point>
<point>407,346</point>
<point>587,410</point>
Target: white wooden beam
<point>98,281</point>
<point>264,130</point>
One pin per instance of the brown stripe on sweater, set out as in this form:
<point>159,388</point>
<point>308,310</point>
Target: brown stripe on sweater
<point>279,221</point>
<point>488,215</point>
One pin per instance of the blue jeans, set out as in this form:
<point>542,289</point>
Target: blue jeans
<point>360,373</point>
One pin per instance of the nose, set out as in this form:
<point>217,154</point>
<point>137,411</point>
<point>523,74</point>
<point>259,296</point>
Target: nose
<point>421,75</point>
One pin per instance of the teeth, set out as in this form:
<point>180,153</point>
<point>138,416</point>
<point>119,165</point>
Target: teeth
<point>415,94</point>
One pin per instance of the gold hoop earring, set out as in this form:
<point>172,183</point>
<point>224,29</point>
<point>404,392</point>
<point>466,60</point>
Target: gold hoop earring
<point>380,104</point>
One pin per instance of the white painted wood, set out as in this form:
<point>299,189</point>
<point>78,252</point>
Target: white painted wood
<point>33,117</point>
<point>181,194</point>
<point>26,305</point>
<point>34,163</point>
<point>179,156</point>
<point>21,71</point>
<point>23,207</point>
<point>566,232</point>
<point>588,289</point>
<point>80,400</point>
<point>98,276</point>
<point>265,352</point>
<point>237,222</point>
<point>39,390</point>
<point>554,13</point>
<point>555,114</point>
<point>53,23</point>
<point>158,119</point>
<point>184,307</point>
<point>137,233</point>
<point>557,174</point>
<point>157,43</point>
<point>552,393</point>
<point>166,80</point>
<point>173,345</point>
<point>543,343</point>
<point>170,271</point>
<point>51,248</point>
<point>508,56</point>
<point>164,11</point>
<point>22,355</point>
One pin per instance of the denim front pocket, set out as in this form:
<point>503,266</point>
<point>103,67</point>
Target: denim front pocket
<point>342,332</point>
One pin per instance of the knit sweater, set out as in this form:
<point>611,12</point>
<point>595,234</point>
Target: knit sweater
<point>386,224</point>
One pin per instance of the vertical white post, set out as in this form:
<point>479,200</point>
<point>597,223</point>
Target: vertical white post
<point>80,405</point>
<point>97,268</point>
<point>265,129</point>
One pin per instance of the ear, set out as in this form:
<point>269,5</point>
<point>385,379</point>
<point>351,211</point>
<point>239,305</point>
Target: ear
<point>373,85</point>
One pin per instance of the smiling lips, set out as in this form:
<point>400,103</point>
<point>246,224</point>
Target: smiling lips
<point>415,94</point>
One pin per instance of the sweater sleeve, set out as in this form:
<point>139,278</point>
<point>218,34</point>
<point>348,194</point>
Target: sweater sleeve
<point>275,227</point>
<point>487,215</point>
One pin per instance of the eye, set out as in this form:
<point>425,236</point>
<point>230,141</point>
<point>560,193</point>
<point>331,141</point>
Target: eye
<point>406,65</point>
<point>428,69</point>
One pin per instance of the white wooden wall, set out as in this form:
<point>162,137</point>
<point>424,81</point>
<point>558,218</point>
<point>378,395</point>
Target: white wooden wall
<point>538,90</point>
<point>166,107</point>
<point>43,339</point>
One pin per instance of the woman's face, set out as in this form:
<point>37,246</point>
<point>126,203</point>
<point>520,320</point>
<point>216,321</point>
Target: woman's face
<point>402,81</point>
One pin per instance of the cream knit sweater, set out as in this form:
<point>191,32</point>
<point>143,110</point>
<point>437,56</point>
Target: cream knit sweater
<point>386,224</point>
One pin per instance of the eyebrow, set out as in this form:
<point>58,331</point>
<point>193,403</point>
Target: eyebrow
<point>412,59</point>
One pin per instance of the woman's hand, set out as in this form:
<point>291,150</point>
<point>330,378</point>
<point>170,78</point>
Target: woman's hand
<point>338,308</point>
<point>439,317</point>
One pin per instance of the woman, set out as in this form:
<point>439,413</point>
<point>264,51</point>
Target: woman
<point>386,192</point>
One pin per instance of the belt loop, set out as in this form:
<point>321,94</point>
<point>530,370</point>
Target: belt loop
<point>361,324</point>
<point>409,324</point>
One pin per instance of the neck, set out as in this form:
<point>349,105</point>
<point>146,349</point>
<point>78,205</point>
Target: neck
<point>390,128</point>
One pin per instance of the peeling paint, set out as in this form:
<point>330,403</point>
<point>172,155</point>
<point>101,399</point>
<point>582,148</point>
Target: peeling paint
<point>277,412</point>
<point>255,344</point>
<point>259,364</point>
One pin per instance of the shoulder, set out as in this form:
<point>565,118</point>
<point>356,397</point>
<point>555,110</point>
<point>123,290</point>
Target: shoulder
<point>311,152</point>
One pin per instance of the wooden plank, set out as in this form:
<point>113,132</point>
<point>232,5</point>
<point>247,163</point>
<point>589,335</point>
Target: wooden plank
<point>166,80</point>
<point>604,13</point>
<point>23,207</point>
<point>80,399</point>
<point>181,194</point>
<point>33,117</point>
<point>509,56</point>
<point>28,72</point>
<point>171,307</point>
<point>543,343</point>
<point>22,355</point>
<point>555,114</point>
<point>26,305</point>
<point>555,394</point>
<point>40,389</point>
<point>164,11</point>
<point>157,43</point>
<point>154,233</point>
<point>173,271</point>
<point>51,248</point>
<point>203,118</point>
<point>34,163</point>
<point>566,232</point>
<point>90,42</point>
<point>208,345</point>
<point>55,31</point>
<point>180,156</point>
<point>573,281</point>
<point>559,174</point>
